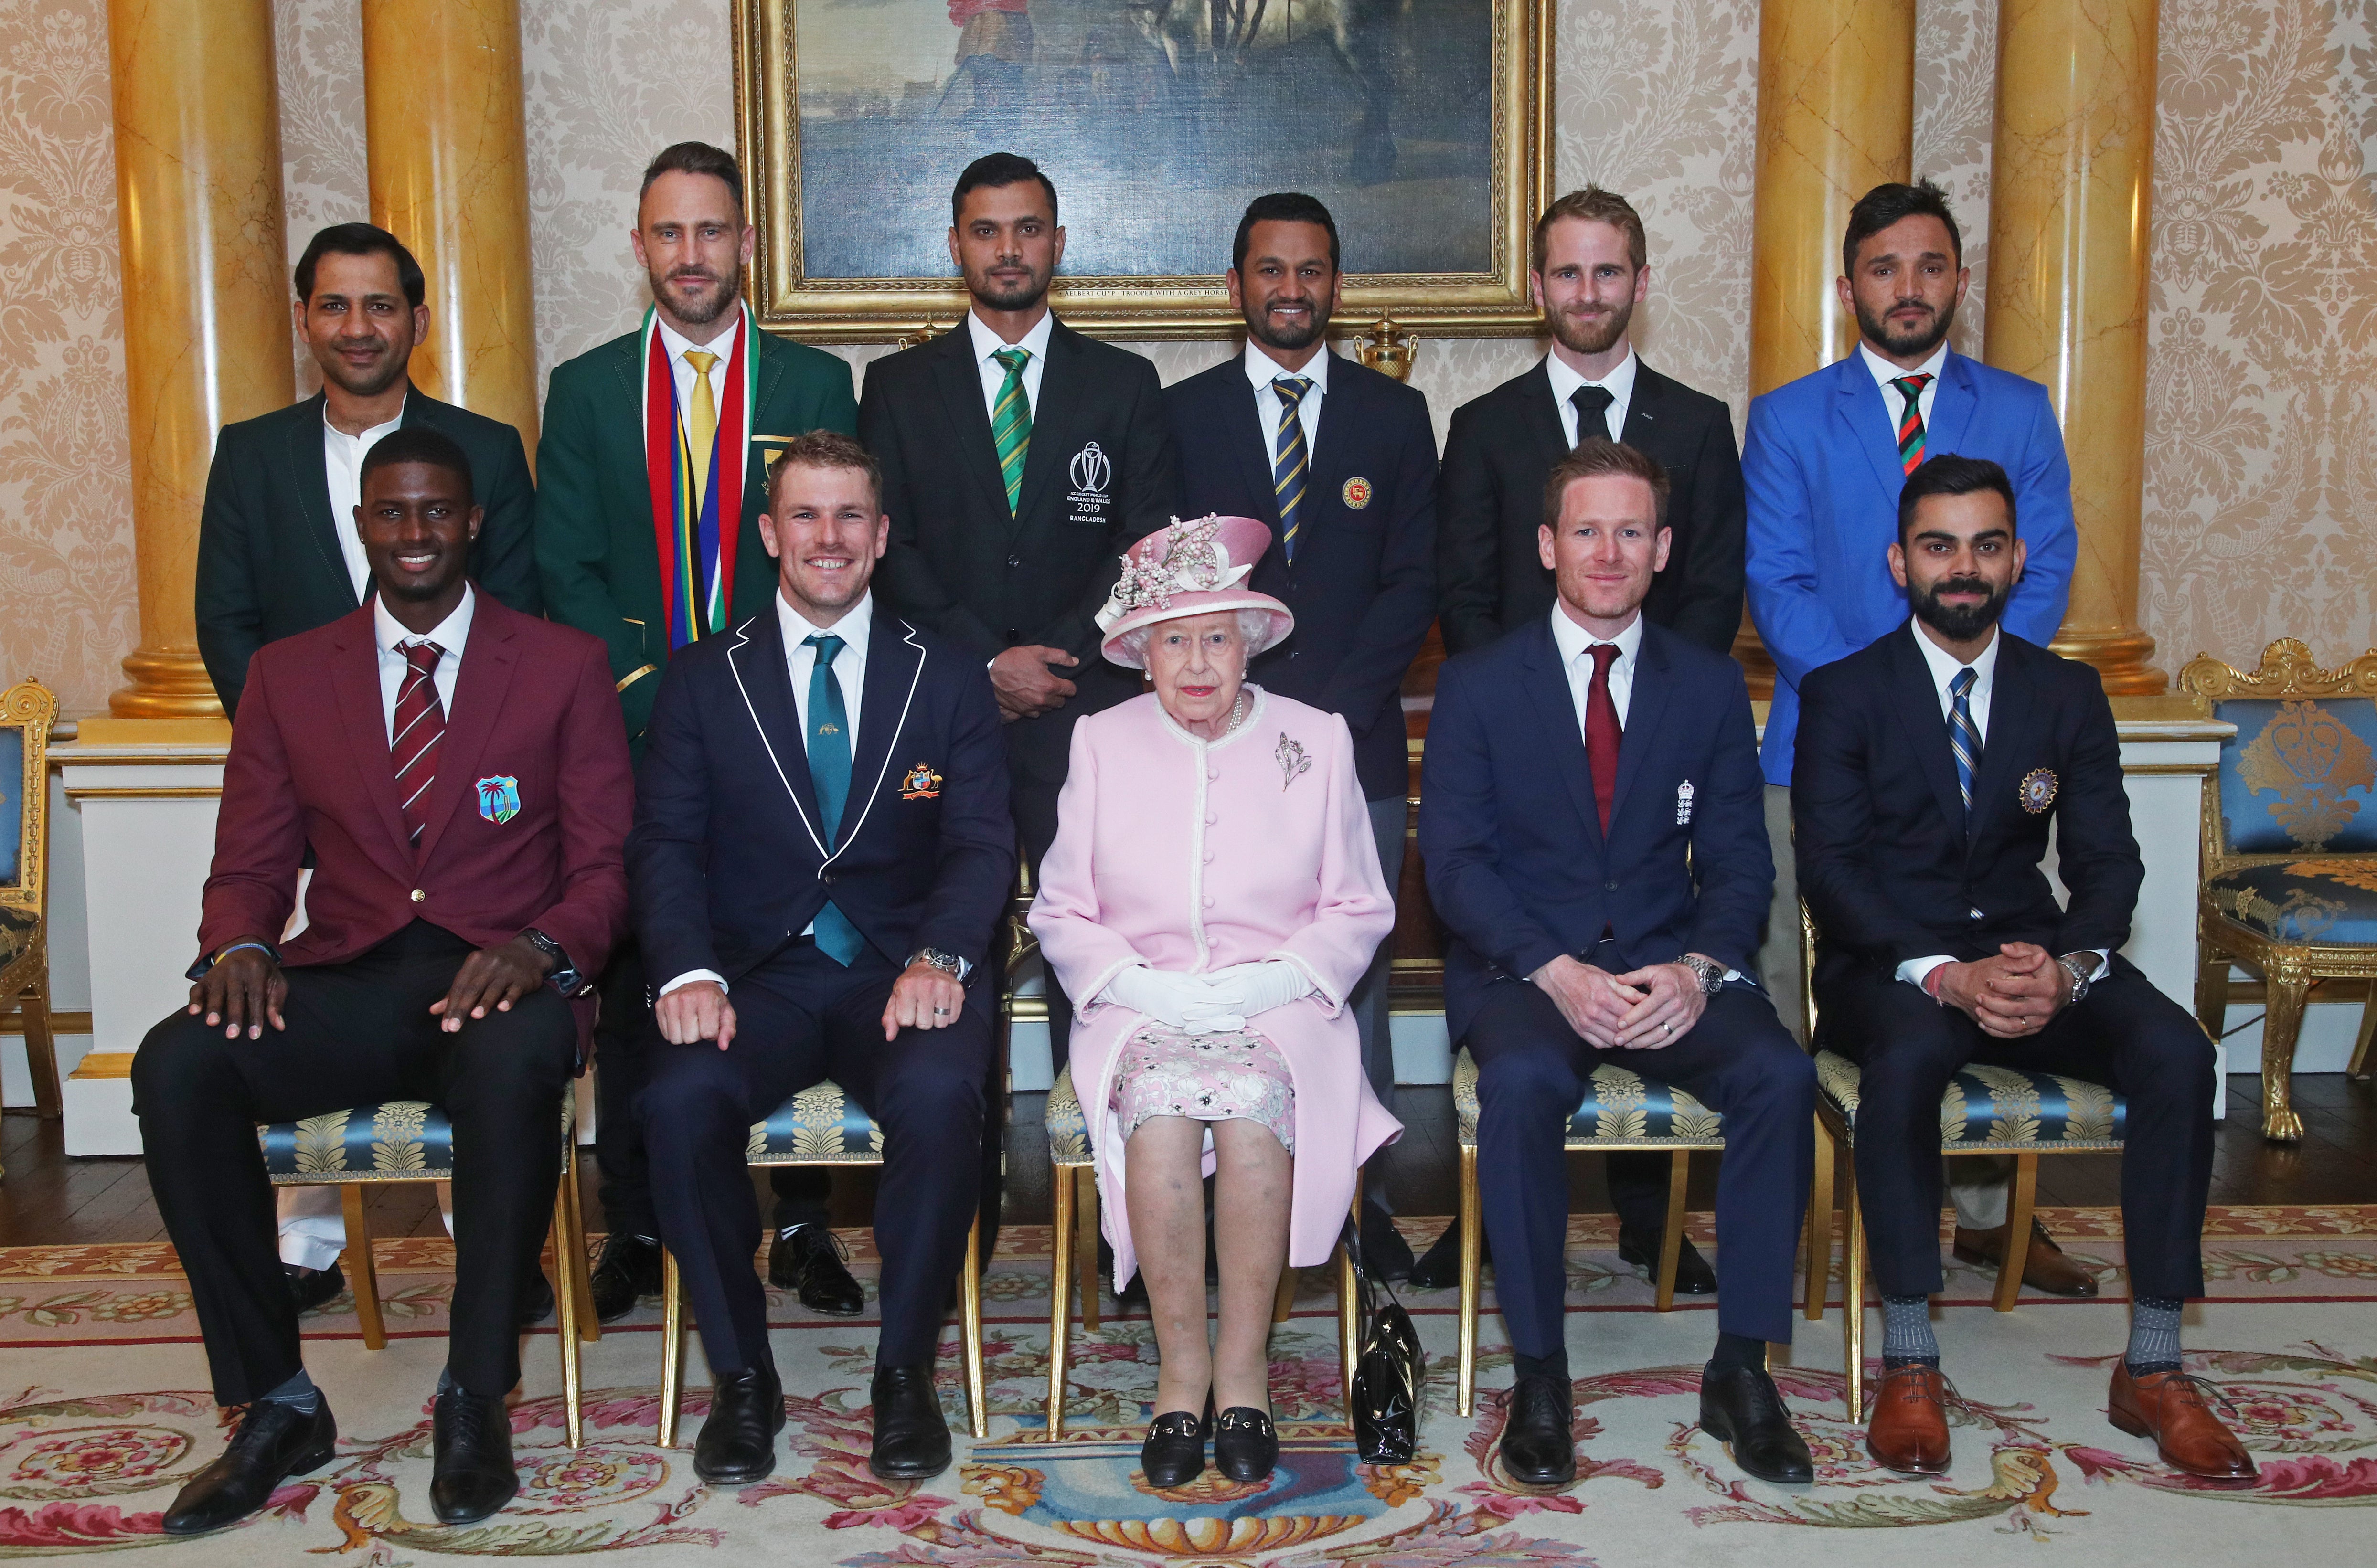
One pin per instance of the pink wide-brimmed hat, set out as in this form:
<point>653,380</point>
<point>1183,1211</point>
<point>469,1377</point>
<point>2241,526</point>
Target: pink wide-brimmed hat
<point>1192,569</point>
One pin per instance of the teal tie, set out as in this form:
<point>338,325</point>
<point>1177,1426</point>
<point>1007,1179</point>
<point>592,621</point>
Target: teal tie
<point>829,743</point>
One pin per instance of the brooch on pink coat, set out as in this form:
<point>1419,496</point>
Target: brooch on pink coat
<point>1291,760</point>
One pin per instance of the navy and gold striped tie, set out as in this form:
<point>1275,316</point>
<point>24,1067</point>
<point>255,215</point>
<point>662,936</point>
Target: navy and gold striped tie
<point>1288,468</point>
<point>1964,739</point>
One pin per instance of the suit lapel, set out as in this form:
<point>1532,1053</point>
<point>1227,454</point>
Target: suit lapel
<point>1062,397</point>
<point>765,684</point>
<point>1952,406</point>
<point>354,683</point>
<point>1868,430</point>
<point>2013,707</point>
<point>480,687</point>
<point>1541,416</point>
<point>1644,706</point>
<point>1642,408</point>
<point>311,466</point>
<point>960,383</point>
<point>1243,432</point>
<point>1556,711</point>
<point>770,381</point>
<point>1918,704</point>
<point>894,665</point>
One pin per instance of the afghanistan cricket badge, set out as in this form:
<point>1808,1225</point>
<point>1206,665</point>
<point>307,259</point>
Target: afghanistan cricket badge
<point>1355,494</point>
<point>921,783</point>
<point>2037,790</point>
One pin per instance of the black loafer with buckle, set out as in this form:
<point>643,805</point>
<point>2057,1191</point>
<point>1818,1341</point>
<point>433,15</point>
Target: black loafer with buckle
<point>1245,1446</point>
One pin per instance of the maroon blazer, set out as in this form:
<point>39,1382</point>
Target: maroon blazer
<point>309,769</point>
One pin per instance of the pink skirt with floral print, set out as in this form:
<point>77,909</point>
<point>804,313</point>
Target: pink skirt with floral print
<point>1216,1077</point>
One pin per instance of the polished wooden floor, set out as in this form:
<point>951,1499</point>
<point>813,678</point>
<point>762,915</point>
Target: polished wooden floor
<point>48,1198</point>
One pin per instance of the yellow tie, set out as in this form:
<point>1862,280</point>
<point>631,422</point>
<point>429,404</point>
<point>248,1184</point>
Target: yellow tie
<point>701,421</point>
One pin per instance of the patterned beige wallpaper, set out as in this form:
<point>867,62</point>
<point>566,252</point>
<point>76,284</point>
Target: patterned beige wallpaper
<point>2263,376</point>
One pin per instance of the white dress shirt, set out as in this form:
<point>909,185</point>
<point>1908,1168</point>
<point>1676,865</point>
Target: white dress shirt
<point>994,374</point>
<point>449,633</point>
<point>1573,642</point>
<point>1884,373</point>
<point>1619,384</point>
<point>342,465</point>
<point>677,345</point>
<point>1262,370</point>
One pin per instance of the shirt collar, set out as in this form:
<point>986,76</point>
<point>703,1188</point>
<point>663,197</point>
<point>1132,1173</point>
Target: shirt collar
<point>1262,370</point>
<point>449,633</point>
<point>1884,373</point>
<point>853,628</point>
<point>1573,640</point>
<point>369,433</point>
<point>1943,665</point>
<point>987,342</point>
<point>677,343</point>
<point>1619,383</point>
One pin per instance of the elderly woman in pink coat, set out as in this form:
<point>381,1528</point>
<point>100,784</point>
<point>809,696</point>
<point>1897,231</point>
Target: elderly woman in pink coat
<point>1213,896</point>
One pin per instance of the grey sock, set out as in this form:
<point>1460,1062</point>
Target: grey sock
<point>1906,1333</point>
<point>2153,1335</point>
<point>298,1393</point>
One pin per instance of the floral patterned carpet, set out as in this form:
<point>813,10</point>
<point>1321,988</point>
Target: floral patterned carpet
<point>104,1411</point>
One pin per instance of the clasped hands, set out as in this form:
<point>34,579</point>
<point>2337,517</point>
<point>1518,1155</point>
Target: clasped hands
<point>245,990</point>
<point>1025,681</point>
<point>2010,994</point>
<point>1218,1002</point>
<point>923,997</point>
<point>1642,1009</point>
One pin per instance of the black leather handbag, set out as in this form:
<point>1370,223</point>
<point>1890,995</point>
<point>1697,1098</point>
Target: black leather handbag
<point>1386,1368</point>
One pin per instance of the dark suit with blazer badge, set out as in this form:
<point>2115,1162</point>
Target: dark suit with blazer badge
<point>1521,872</point>
<point>730,865</point>
<point>1892,872</point>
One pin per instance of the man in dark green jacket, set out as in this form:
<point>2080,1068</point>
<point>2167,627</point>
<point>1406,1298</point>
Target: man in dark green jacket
<point>653,476</point>
<point>277,551</point>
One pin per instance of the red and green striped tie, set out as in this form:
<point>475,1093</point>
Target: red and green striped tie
<point>1010,422</point>
<point>1910,423</point>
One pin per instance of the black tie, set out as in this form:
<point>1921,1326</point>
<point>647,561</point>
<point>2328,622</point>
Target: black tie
<point>1592,403</point>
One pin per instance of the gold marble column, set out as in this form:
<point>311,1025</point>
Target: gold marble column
<point>2071,193</point>
<point>449,152</point>
<point>206,294</point>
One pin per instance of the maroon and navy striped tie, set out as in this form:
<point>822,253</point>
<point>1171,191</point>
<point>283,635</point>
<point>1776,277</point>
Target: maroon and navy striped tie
<point>418,725</point>
<point>1910,423</point>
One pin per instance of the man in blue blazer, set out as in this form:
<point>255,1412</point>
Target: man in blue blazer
<point>1590,819</point>
<point>821,848</point>
<point>1341,461</point>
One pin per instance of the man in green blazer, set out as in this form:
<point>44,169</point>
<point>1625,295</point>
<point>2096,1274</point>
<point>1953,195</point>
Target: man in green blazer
<point>277,551</point>
<point>653,476</point>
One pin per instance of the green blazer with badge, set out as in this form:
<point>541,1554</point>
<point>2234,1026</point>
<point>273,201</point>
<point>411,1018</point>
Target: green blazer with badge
<point>639,540</point>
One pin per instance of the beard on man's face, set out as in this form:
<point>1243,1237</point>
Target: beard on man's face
<point>1592,334</point>
<point>1911,341</point>
<point>1960,622</point>
<point>697,295</point>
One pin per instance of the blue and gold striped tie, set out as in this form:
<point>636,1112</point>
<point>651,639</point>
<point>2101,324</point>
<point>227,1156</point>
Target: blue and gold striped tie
<point>1288,468</point>
<point>1962,738</point>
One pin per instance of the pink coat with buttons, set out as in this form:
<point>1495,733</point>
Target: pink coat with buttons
<point>1191,856</point>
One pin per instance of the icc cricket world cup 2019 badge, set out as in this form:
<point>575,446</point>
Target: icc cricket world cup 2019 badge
<point>1684,803</point>
<point>1090,472</point>
<point>2037,790</point>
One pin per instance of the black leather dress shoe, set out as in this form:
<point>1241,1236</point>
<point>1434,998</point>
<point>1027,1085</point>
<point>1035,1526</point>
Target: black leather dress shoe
<point>273,1443</point>
<point>1245,1446</point>
<point>1439,1269</point>
<point>628,1270</point>
<point>912,1441</point>
<point>1539,1438</point>
<point>1384,1252</point>
<point>1173,1454</point>
<point>1740,1406</point>
<point>472,1474</point>
<point>737,1444</point>
<point>536,1302</point>
<point>312,1287</point>
<point>807,1259</point>
<point>1693,1275</point>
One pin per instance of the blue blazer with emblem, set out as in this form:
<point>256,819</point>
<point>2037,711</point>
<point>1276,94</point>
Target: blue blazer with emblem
<point>727,860</point>
<point>1518,867</point>
<point>1823,477</point>
<point>1363,587</point>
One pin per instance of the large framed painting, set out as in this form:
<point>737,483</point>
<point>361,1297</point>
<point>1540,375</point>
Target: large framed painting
<point>1425,125</point>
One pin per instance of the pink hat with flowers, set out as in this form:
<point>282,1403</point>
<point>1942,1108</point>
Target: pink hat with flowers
<point>1193,568</point>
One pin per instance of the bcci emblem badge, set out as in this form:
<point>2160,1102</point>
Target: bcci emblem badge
<point>1357,494</point>
<point>2037,790</point>
<point>499,799</point>
<point>920,783</point>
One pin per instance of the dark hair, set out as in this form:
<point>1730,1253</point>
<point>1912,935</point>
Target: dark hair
<point>1949,474</point>
<point>1885,205</point>
<point>827,449</point>
<point>416,444</point>
<point>997,170</point>
<point>1597,206</point>
<point>1282,206</point>
<point>695,158</point>
<point>360,239</point>
<point>1599,454</point>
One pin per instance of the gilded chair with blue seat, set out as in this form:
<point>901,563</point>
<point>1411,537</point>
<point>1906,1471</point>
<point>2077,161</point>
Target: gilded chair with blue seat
<point>2290,850</point>
<point>27,711</point>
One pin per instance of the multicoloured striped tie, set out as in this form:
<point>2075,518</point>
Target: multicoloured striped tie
<point>1010,422</point>
<point>1910,423</point>
<point>1964,739</point>
<point>417,726</point>
<point>1288,468</point>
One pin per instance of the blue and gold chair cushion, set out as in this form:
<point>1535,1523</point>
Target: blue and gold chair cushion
<point>1997,1107</point>
<point>820,1125</point>
<point>2298,776</point>
<point>397,1140</point>
<point>1622,1110</point>
<point>1068,1130</point>
<point>2328,899</point>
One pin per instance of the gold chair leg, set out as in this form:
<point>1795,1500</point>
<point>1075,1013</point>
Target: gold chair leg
<point>361,1275</point>
<point>1820,1226</point>
<point>2021,1199</point>
<point>2358,1068</point>
<point>2288,983</point>
<point>1349,1316</point>
<point>970,1325</point>
<point>1853,1293</point>
<point>672,1347</point>
<point>2210,984</point>
<point>1060,1292</point>
<point>1671,1243</point>
<point>1471,1251</point>
<point>564,1291</point>
<point>40,1046</point>
<point>1085,1243</point>
<point>590,1328</point>
<point>1283,1296</point>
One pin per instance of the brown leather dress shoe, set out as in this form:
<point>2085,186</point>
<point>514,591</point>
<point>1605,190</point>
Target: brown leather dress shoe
<point>1908,1432</point>
<point>2043,1266</point>
<point>2168,1406</point>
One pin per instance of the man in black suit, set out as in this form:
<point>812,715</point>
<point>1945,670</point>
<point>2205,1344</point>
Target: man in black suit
<point>278,550</point>
<point>1591,270</point>
<point>831,770</point>
<point>1020,460</point>
<point>1341,461</point>
<point>1929,768</point>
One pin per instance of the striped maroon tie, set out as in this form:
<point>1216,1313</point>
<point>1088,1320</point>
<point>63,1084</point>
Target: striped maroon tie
<point>418,725</point>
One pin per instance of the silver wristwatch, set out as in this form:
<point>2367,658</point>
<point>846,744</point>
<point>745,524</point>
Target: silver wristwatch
<point>1711,972</point>
<point>949,964</point>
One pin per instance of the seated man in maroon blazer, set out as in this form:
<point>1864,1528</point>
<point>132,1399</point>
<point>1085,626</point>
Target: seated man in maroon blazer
<point>459,773</point>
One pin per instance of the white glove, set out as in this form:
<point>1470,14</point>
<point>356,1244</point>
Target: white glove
<point>1251,989</point>
<point>1187,1003</point>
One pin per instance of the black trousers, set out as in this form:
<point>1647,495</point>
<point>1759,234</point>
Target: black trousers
<point>622,1067</point>
<point>1738,1061</point>
<point>358,1032</point>
<point>2127,1035</point>
<point>801,1018</point>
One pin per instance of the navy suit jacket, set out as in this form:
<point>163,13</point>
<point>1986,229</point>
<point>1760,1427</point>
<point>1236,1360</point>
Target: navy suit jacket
<point>1823,477</point>
<point>1363,587</point>
<point>727,859</point>
<point>1518,867</point>
<point>1885,863</point>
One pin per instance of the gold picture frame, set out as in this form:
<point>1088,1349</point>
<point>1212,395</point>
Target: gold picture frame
<point>1489,301</point>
